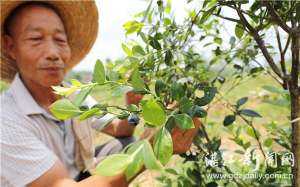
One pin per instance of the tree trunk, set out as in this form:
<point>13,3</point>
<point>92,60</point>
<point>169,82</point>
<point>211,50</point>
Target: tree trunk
<point>295,114</point>
<point>295,109</point>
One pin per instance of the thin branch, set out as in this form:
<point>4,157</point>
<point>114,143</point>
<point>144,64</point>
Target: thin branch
<point>268,72</point>
<point>287,44</point>
<point>278,39</point>
<point>191,27</point>
<point>276,17</point>
<point>250,123</point>
<point>228,18</point>
<point>282,60</point>
<point>260,43</point>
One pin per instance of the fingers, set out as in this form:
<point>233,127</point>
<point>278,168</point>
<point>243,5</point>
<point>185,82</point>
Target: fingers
<point>133,98</point>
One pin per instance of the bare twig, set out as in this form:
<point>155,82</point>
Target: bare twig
<point>259,42</point>
<point>282,60</point>
<point>268,72</point>
<point>228,18</point>
<point>194,20</point>
<point>287,44</point>
<point>276,17</point>
<point>250,123</point>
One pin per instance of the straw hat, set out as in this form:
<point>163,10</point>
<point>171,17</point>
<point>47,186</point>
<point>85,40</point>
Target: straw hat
<point>80,19</point>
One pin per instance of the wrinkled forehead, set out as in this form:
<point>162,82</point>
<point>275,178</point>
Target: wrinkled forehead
<point>29,12</point>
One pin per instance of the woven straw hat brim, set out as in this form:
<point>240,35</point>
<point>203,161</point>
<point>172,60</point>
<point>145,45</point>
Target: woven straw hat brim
<point>80,19</point>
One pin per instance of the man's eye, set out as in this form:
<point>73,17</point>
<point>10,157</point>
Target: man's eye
<point>36,39</point>
<point>61,40</point>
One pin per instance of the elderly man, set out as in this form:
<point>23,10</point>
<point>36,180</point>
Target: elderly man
<point>41,41</point>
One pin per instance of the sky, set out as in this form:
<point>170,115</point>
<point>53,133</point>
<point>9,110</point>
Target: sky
<point>112,15</point>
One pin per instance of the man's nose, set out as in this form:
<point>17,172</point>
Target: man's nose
<point>52,53</point>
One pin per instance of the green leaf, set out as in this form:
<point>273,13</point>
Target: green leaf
<point>168,57</point>
<point>159,87</point>
<point>206,15</point>
<point>163,146</point>
<point>177,91</point>
<point>251,133</point>
<point>218,40</point>
<point>268,142</point>
<point>137,50</point>
<point>136,151</point>
<point>167,21</point>
<point>126,50</point>
<point>158,36</point>
<point>90,113</point>
<point>149,158</point>
<point>99,72</point>
<point>170,124</point>
<point>197,111</point>
<point>228,120</point>
<point>64,109</point>
<point>132,108</point>
<point>137,82</point>
<point>239,30</point>
<point>113,165</point>
<point>171,171</point>
<point>132,27</point>
<point>155,44</point>
<point>212,184</point>
<point>64,91</point>
<point>209,94</point>
<point>75,83</point>
<point>241,101</point>
<point>250,113</point>
<point>144,37</point>
<point>119,90</point>
<point>153,113</point>
<point>81,96</point>
<point>184,121</point>
<point>185,105</point>
<point>232,42</point>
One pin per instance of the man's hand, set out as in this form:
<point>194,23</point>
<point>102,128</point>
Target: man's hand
<point>57,176</point>
<point>133,98</point>
<point>183,138</point>
<point>121,128</point>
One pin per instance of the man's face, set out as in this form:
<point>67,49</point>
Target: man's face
<point>39,46</point>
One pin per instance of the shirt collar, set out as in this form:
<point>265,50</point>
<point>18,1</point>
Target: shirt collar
<point>24,99</point>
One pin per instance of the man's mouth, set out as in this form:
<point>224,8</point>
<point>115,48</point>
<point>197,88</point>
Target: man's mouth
<point>52,69</point>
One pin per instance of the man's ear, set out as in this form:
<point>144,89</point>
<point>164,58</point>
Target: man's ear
<point>9,47</point>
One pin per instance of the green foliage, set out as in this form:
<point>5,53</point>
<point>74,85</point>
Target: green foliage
<point>180,82</point>
<point>64,109</point>
<point>163,145</point>
<point>113,165</point>
<point>249,112</point>
<point>184,121</point>
<point>153,113</point>
<point>99,72</point>
<point>228,120</point>
<point>132,27</point>
<point>137,82</point>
